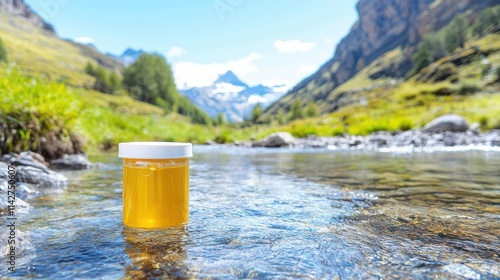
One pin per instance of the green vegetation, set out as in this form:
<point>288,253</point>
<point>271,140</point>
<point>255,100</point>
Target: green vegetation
<point>455,34</point>
<point>296,111</point>
<point>150,79</point>
<point>486,20</point>
<point>105,81</point>
<point>43,54</point>
<point>256,113</point>
<point>32,109</point>
<point>3,52</point>
<point>311,110</point>
<point>435,46</point>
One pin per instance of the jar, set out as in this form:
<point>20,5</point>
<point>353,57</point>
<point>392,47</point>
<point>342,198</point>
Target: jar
<point>155,183</point>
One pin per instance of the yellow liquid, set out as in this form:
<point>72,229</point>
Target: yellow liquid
<point>155,192</point>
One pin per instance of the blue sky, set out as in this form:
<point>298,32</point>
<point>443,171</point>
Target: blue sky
<point>270,42</point>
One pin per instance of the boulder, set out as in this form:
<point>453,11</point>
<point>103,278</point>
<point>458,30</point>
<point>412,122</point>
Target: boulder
<point>278,139</point>
<point>450,122</point>
<point>31,169</point>
<point>72,162</point>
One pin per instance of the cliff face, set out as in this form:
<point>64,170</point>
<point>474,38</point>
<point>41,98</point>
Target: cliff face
<point>383,25</point>
<point>20,9</point>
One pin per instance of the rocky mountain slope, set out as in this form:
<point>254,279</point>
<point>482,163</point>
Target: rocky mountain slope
<point>383,26</point>
<point>232,97</point>
<point>19,9</point>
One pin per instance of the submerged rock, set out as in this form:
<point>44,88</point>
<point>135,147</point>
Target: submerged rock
<point>450,122</point>
<point>275,140</point>
<point>72,162</point>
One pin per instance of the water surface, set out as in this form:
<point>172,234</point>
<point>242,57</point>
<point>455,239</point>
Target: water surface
<point>282,213</point>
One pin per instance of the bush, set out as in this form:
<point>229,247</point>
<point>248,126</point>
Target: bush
<point>430,49</point>
<point>497,73</point>
<point>37,116</point>
<point>3,52</point>
<point>105,81</point>
<point>468,88</point>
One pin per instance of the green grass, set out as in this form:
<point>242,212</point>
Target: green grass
<point>102,120</point>
<point>43,54</point>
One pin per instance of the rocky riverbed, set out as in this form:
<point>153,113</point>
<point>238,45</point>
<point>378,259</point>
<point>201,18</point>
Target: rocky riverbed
<point>443,132</point>
<point>31,176</point>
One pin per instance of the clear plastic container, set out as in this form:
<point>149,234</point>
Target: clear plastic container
<point>155,183</point>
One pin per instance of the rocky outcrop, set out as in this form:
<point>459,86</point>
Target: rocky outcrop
<point>450,122</point>
<point>20,9</point>
<point>383,25</point>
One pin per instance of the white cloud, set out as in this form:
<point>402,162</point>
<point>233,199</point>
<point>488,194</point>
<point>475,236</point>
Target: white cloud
<point>291,46</point>
<point>307,69</point>
<point>84,40</point>
<point>191,74</point>
<point>175,51</point>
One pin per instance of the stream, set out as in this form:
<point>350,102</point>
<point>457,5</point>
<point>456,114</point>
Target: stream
<point>280,213</point>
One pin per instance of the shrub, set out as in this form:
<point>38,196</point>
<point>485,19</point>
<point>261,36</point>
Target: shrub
<point>468,88</point>
<point>3,52</point>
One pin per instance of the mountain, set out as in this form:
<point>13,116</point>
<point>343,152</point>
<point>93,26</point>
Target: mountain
<point>19,9</point>
<point>232,97</point>
<point>34,46</point>
<point>380,43</point>
<point>128,57</point>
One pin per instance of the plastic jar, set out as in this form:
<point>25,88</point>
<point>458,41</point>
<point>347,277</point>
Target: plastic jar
<point>155,183</point>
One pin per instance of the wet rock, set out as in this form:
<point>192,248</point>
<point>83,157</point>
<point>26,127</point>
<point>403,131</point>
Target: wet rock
<point>31,169</point>
<point>278,139</point>
<point>450,122</point>
<point>72,162</point>
<point>210,142</point>
<point>26,159</point>
<point>41,178</point>
<point>247,144</point>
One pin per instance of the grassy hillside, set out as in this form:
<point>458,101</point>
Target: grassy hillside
<point>363,105</point>
<point>39,52</point>
<point>32,108</point>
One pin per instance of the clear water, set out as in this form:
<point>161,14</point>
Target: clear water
<point>258,213</point>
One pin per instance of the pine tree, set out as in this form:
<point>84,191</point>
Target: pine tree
<point>296,110</point>
<point>257,112</point>
<point>311,110</point>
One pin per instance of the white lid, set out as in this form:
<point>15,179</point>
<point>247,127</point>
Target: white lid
<point>155,150</point>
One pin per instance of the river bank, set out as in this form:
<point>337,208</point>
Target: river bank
<point>444,132</point>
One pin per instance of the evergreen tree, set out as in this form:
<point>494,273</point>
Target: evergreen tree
<point>150,79</point>
<point>89,69</point>
<point>220,119</point>
<point>311,110</point>
<point>455,34</point>
<point>113,82</point>
<point>296,110</point>
<point>256,112</point>
<point>429,50</point>
<point>3,52</point>
<point>281,117</point>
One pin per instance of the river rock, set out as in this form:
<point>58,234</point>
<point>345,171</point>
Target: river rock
<point>72,162</point>
<point>31,169</point>
<point>450,122</point>
<point>278,139</point>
